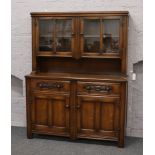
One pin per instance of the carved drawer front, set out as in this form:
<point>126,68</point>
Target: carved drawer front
<point>51,85</point>
<point>98,88</point>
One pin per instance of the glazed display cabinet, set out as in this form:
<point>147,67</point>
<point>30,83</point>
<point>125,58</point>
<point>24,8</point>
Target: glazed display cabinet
<point>78,84</point>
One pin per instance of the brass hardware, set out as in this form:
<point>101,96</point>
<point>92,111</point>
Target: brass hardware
<point>50,85</point>
<point>59,86</point>
<point>103,88</point>
<point>98,88</point>
<point>67,106</point>
<point>88,87</point>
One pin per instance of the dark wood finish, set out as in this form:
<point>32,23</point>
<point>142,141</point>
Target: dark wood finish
<point>50,113</point>
<point>70,65</point>
<point>78,93</point>
<point>28,109</point>
<point>117,77</point>
<point>56,52</point>
<point>97,13</point>
<point>92,115</point>
<point>101,51</point>
<point>51,85</point>
<point>98,88</point>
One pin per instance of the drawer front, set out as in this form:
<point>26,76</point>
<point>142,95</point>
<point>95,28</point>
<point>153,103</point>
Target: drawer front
<point>50,85</point>
<point>98,88</point>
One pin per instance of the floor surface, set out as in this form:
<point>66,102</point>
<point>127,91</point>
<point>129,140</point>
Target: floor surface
<point>49,145</point>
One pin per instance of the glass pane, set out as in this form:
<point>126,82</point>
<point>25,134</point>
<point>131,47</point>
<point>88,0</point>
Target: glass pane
<point>63,44</point>
<point>91,35</point>
<point>111,35</point>
<point>63,35</point>
<point>92,27</point>
<point>91,44</point>
<point>63,27</point>
<point>46,41</point>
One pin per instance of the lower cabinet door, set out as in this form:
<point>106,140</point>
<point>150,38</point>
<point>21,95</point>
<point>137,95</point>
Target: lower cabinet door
<point>98,117</point>
<point>50,114</point>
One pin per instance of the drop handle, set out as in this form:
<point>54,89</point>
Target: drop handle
<point>88,87</point>
<point>58,86</point>
<point>43,85</point>
<point>67,106</point>
<point>108,88</point>
<point>98,89</point>
<point>51,85</point>
<point>103,88</point>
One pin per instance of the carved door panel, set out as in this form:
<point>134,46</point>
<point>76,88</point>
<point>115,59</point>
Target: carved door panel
<point>50,113</point>
<point>97,116</point>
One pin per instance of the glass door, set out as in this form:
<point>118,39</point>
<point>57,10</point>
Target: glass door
<point>63,35</point>
<point>111,35</point>
<point>55,36</point>
<point>46,37</point>
<point>90,36</point>
<point>100,37</point>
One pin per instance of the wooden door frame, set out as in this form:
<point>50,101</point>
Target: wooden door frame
<point>54,52</point>
<point>95,99</point>
<point>50,97</point>
<point>95,54</point>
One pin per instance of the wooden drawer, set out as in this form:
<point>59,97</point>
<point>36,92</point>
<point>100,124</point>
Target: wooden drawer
<point>98,88</point>
<point>50,85</point>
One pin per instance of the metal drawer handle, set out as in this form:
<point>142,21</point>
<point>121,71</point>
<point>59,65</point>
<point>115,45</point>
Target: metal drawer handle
<point>104,88</point>
<point>88,87</point>
<point>51,85</point>
<point>67,106</point>
<point>98,89</point>
<point>59,86</point>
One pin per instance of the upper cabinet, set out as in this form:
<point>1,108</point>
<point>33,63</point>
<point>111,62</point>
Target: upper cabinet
<point>78,35</point>
<point>100,36</point>
<point>55,36</point>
